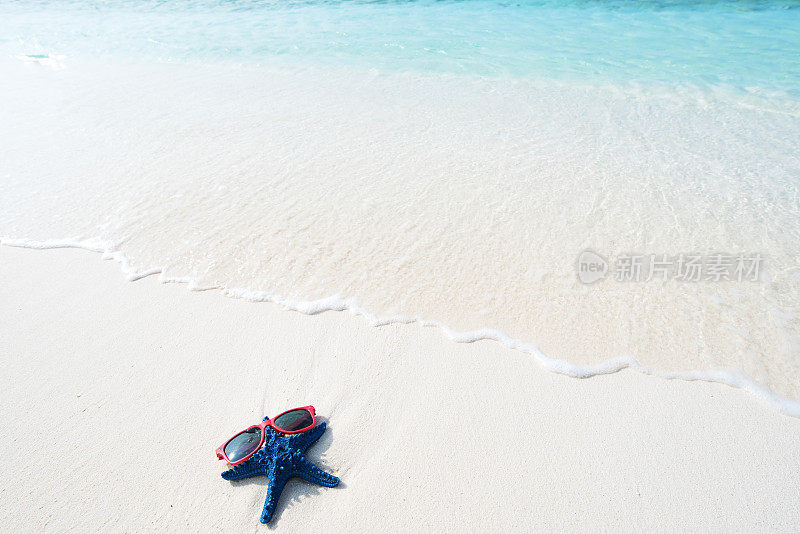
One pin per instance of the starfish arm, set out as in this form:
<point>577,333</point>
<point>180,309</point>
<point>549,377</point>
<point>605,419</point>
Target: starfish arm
<point>304,440</point>
<point>245,470</point>
<point>310,472</point>
<point>276,484</point>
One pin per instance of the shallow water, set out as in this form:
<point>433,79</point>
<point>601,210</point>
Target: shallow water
<point>447,161</point>
<point>744,44</point>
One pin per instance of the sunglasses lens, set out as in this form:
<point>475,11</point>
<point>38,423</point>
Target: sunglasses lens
<point>294,420</point>
<point>243,444</point>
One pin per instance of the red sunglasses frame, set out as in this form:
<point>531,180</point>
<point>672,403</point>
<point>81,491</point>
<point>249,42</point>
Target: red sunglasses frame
<point>263,425</point>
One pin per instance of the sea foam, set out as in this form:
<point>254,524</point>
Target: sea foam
<point>337,303</point>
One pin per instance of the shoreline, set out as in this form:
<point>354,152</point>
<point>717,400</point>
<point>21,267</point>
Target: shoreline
<point>139,382</point>
<point>731,378</point>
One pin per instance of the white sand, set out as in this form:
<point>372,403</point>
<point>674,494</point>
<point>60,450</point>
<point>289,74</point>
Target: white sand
<point>116,394</point>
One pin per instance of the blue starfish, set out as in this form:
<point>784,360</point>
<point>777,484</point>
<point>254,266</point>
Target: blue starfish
<point>281,458</point>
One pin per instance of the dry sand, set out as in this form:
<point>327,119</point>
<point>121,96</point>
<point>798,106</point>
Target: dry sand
<point>116,394</point>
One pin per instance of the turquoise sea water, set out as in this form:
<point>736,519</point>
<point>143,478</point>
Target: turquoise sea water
<point>750,45</point>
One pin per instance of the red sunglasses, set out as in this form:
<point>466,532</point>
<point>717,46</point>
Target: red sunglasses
<point>247,442</point>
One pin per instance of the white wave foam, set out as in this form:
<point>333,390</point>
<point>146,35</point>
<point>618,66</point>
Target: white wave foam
<point>109,251</point>
<point>337,303</point>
